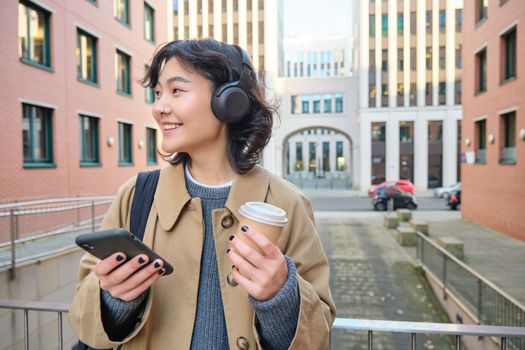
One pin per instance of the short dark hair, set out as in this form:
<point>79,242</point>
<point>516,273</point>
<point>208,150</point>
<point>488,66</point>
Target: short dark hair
<point>216,61</point>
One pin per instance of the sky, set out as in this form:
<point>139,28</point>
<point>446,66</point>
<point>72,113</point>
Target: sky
<point>317,18</point>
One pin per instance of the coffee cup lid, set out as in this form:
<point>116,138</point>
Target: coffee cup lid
<point>264,213</point>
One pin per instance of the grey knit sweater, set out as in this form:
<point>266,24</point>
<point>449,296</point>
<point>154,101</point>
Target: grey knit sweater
<point>276,318</point>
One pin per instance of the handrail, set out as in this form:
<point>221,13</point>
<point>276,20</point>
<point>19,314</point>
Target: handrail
<point>427,327</point>
<point>54,200</point>
<point>458,330</point>
<point>471,270</point>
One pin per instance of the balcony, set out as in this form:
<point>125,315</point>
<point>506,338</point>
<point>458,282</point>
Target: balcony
<point>508,155</point>
<point>481,156</point>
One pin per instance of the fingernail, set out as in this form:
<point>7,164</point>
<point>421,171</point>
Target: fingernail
<point>228,251</point>
<point>157,264</point>
<point>233,266</point>
<point>161,271</point>
<point>244,228</point>
<point>141,261</point>
<point>119,258</point>
<point>232,237</point>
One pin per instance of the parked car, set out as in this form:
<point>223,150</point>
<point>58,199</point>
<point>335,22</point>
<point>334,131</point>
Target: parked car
<point>400,199</point>
<point>445,191</point>
<point>454,200</point>
<point>403,185</point>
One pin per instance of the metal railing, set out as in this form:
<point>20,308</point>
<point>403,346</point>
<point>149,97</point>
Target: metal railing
<point>484,301</point>
<point>25,222</point>
<point>370,326</point>
<point>27,306</point>
<point>414,328</point>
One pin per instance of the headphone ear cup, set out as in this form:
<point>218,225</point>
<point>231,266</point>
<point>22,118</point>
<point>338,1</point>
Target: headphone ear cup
<point>230,103</point>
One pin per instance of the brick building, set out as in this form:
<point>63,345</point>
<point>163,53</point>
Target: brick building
<point>493,137</point>
<point>75,120</point>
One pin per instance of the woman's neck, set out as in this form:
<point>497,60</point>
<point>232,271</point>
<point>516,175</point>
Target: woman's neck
<point>211,170</point>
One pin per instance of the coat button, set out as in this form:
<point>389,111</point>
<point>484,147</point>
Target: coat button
<point>242,343</point>
<point>227,221</point>
<point>231,281</point>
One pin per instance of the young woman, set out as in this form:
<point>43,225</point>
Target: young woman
<point>223,294</point>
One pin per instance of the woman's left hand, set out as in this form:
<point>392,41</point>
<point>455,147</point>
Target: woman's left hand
<point>261,275</point>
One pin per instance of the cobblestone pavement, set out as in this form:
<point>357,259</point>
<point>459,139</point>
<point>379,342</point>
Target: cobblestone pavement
<point>373,278</point>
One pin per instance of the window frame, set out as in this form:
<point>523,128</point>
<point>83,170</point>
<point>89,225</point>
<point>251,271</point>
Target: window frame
<point>508,74</point>
<point>149,9</point>
<point>481,71</point>
<point>94,64</point>
<point>507,137</point>
<point>151,152</point>
<point>480,140</point>
<point>47,64</point>
<point>121,147</point>
<point>95,162</point>
<point>128,73</point>
<point>48,162</point>
<point>125,21</point>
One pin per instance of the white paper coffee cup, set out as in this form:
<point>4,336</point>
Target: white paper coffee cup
<point>263,217</point>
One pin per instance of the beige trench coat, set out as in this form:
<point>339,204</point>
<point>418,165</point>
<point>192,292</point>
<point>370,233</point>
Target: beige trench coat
<point>175,230</point>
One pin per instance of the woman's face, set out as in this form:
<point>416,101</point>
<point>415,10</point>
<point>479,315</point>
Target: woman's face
<point>183,111</point>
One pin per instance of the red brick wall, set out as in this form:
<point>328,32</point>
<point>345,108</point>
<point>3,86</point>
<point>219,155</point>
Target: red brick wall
<point>494,194</point>
<point>62,90</point>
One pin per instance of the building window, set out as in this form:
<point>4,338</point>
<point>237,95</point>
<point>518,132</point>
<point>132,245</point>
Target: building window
<point>428,94</point>
<point>124,144</point>
<point>384,25</point>
<point>459,60</point>
<point>338,103</point>
<point>326,156</point>
<point>435,154</point>
<point>442,20</point>
<point>122,11</point>
<point>151,146</point>
<point>459,20</point>
<point>149,91</point>
<point>372,25</point>
<point>400,60</point>
<point>442,57</point>
<point>481,143</point>
<point>481,71</point>
<point>312,163</point>
<point>508,151</point>
<point>37,135</point>
<point>399,23</point>
<point>413,59</point>
<point>378,152</point>
<point>89,149</point>
<point>123,73</point>
<point>429,22</point>
<point>299,164</point>
<point>34,34</point>
<point>317,104</point>
<point>86,57</point>
<point>457,92</point>
<point>327,102</point>
<point>339,158</point>
<point>509,54</point>
<point>149,23</point>
<point>305,102</point>
<point>442,93</point>
<point>406,150</point>
<point>413,23</point>
<point>481,9</point>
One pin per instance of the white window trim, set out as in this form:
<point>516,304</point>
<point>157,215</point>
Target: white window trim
<point>508,110</point>
<point>89,114</point>
<point>42,5</point>
<point>85,29</point>
<point>37,103</point>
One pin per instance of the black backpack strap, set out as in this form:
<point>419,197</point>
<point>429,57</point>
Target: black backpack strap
<point>142,201</point>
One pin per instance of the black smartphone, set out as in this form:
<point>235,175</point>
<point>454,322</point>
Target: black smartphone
<point>105,243</point>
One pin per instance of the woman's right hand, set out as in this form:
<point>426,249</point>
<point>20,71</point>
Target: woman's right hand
<point>123,282</point>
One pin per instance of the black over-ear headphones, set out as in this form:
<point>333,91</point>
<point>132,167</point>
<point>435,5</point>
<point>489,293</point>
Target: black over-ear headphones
<point>230,102</point>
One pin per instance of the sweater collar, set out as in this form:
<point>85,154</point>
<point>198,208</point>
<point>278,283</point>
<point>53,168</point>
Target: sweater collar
<point>171,195</point>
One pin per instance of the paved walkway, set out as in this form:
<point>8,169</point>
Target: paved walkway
<point>372,277</point>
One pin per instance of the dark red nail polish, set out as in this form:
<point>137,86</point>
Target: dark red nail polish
<point>233,266</point>
<point>141,261</point>
<point>157,265</point>
<point>161,271</point>
<point>232,237</point>
<point>244,228</point>
<point>228,251</point>
<point>119,258</point>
